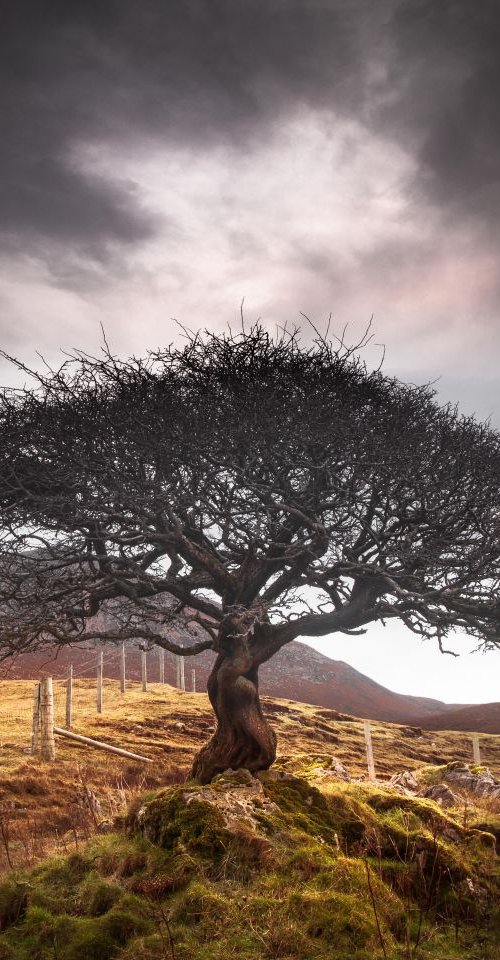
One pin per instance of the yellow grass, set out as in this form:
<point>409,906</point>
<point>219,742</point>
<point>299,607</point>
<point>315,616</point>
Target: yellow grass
<point>169,726</point>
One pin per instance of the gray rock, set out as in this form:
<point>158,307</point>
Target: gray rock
<point>483,784</point>
<point>406,781</point>
<point>440,793</point>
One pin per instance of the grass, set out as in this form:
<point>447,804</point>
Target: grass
<point>176,882</point>
<point>45,806</point>
<point>325,869</point>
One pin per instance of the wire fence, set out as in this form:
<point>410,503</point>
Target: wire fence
<point>96,685</point>
<point>99,683</point>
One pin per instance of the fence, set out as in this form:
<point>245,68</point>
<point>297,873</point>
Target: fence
<point>44,727</point>
<point>59,703</point>
<point>89,687</point>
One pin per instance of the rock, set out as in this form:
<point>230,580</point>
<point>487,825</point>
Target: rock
<point>482,783</point>
<point>405,781</point>
<point>236,794</point>
<point>338,770</point>
<point>333,770</point>
<point>273,775</point>
<point>242,775</point>
<point>440,793</point>
<point>179,726</point>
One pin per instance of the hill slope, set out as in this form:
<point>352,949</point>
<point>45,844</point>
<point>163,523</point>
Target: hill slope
<point>297,672</point>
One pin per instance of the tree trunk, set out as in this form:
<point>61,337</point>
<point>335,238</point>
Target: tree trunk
<point>243,737</point>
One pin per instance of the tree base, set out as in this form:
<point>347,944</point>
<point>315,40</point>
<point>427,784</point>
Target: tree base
<point>243,738</point>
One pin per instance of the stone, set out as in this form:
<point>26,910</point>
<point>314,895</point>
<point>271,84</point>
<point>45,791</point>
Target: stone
<point>334,770</point>
<point>440,793</point>
<point>237,795</point>
<point>406,781</point>
<point>482,783</point>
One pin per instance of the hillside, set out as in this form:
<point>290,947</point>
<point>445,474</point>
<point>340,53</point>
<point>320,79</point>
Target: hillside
<point>304,862</point>
<point>169,726</point>
<point>483,716</point>
<point>297,672</point>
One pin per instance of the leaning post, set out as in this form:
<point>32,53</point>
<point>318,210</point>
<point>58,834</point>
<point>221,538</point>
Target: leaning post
<point>476,752</point>
<point>144,671</point>
<point>47,742</point>
<point>369,749</point>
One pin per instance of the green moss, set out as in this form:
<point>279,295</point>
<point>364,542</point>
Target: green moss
<point>97,896</point>
<point>303,807</point>
<point>13,902</point>
<point>170,822</point>
<point>296,887</point>
<point>200,903</point>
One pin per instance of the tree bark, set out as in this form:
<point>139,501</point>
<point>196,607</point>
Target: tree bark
<point>243,737</point>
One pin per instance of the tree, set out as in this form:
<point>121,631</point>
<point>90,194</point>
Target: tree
<point>250,486</point>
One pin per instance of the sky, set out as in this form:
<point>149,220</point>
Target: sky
<point>162,161</point>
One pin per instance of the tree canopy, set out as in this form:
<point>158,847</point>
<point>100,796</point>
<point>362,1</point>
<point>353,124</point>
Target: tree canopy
<point>256,487</point>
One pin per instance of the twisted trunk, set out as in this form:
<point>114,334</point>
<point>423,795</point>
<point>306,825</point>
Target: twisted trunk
<point>243,737</point>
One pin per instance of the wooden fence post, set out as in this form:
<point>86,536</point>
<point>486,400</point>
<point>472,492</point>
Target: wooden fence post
<point>47,743</point>
<point>69,697</point>
<point>100,672</point>
<point>161,654</point>
<point>144,671</point>
<point>369,750</point>
<point>36,719</point>
<point>182,681</point>
<point>122,669</point>
<point>476,752</point>
<point>193,680</point>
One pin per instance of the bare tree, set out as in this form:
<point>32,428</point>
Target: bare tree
<point>252,488</point>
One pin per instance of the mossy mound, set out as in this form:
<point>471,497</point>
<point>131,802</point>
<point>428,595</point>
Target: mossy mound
<point>261,868</point>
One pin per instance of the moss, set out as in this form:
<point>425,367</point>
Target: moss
<point>97,896</point>
<point>13,902</point>
<point>489,825</point>
<point>198,826</point>
<point>339,920</point>
<point>200,903</point>
<point>91,943</point>
<point>122,924</point>
<point>303,807</point>
<point>53,884</point>
<point>297,887</point>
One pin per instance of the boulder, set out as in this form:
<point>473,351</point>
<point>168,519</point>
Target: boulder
<point>477,780</point>
<point>405,781</point>
<point>440,793</point>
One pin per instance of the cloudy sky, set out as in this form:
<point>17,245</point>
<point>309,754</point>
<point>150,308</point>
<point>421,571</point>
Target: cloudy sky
<point>168,158</point>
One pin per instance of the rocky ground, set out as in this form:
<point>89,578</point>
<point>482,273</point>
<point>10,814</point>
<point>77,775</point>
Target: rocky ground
<point>285,865</point>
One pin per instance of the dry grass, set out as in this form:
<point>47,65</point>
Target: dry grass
<point>47,805</point>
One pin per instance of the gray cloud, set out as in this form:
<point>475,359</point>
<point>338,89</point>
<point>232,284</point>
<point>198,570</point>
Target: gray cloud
<point>187,71</point>
<point>444,65</point>
<point>180,71</point>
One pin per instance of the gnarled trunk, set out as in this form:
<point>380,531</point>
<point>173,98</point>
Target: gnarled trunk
<point>243,737</point>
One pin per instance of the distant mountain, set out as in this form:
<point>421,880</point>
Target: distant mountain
<point>484,717</point>
<point>297,672</point>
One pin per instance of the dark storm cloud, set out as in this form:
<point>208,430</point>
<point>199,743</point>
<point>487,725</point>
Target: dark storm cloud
<point>192,71</point>
<point>445,68</point>
<point>178,70</point>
